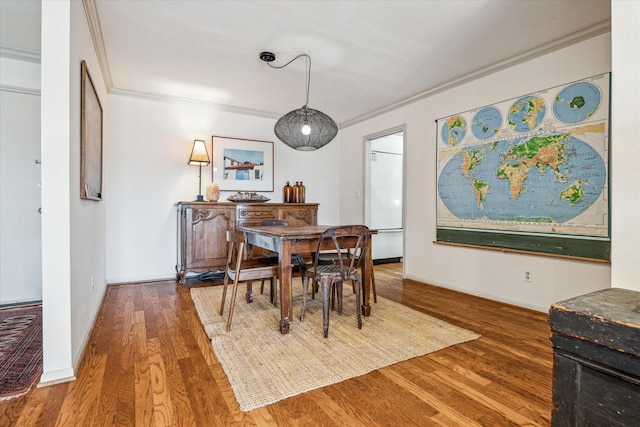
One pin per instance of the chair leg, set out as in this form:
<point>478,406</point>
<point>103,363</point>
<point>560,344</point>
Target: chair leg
<point>358,302</point>
<point>249,294</point>
<point>373,287</point>
<point>305,290</point>
<point>224,291</point>
<point>326,290</point>
<point>273,291</point>
<point>336,295</point>
<point>301,266</point>
<point>226,275</point>
<point>234,292</point>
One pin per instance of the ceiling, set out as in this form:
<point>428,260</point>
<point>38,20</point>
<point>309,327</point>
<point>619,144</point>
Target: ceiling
<point>367,56</point>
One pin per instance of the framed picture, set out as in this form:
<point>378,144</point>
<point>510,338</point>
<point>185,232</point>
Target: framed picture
<point>90,139</point>
<point>242,164</point>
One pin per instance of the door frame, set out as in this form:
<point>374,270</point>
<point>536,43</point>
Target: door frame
<point>366,199</point>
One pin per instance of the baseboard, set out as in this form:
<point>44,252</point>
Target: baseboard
<point>56,377</point>
<point>87,337</point>
<point>387,260</point>
<point>16,304</point>
<point>482,295</point>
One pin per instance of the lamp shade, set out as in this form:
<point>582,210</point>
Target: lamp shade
<point>199,154</point>
<point>306,129</point>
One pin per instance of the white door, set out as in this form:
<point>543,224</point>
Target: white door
<point>384,194</point>
<point>20,226</point>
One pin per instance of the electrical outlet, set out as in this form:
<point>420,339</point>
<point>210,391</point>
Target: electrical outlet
<point>92,284</point>
<point>527,276</point>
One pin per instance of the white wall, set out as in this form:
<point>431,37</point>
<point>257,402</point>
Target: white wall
<point>625,123</point>
<point>73,242</point>
<point>56,257</point>
<point>482,272</point>
<point>146,173</point>
<point>88,257</point>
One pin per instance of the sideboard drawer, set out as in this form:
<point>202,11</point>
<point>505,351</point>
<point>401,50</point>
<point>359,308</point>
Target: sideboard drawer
<point>298,214</point>
<point>254,214</point>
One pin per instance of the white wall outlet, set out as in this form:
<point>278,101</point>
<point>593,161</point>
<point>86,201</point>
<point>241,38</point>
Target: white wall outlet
<point>527,276</point>
<point>92,284</point>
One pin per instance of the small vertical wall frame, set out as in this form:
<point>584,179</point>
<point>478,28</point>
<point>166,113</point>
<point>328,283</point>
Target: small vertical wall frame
<point>90,138</point>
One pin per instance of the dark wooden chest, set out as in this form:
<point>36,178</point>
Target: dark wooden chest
<point>596,356</point>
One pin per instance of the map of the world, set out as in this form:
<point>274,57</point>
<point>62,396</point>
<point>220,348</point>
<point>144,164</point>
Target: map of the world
<point>536,164</point>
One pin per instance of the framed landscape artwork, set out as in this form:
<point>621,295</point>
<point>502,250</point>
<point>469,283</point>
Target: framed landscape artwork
<point>90,139</point>
<point>242,164</point>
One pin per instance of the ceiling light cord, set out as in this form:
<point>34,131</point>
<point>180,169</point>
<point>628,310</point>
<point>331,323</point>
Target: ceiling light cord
<point>308,69</point>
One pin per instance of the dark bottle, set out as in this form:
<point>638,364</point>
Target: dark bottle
<point>287,193</point>
<point>302,192</point>
<point>296,193</point>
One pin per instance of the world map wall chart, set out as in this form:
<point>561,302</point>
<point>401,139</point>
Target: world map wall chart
<point>529,173</point>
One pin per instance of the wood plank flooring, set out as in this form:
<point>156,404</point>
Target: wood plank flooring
<point>149,363</point>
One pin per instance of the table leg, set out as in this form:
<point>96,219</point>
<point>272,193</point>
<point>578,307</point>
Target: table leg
<point>367,276</point>
<point>286,311</point>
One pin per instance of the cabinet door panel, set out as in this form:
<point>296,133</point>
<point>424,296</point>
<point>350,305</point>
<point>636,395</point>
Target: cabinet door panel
<point>206,244</point>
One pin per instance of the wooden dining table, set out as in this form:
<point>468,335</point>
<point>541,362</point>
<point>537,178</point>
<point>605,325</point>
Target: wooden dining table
<point>285,240</point>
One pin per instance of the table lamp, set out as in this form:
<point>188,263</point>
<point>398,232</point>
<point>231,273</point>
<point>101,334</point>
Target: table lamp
<point>199,157</point>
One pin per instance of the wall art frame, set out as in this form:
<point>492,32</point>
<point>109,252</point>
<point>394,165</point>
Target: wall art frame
<point>529,174</point>
<point>90,138</point>
<point>241,164</point>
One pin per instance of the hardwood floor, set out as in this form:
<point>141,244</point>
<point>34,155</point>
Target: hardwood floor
<point>149,363</point>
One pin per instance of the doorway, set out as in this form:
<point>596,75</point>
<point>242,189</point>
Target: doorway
<point>384,193</point>
<point>20,225</point>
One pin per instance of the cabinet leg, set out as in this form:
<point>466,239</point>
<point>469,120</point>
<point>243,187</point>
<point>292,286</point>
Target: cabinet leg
<point>181,276</point>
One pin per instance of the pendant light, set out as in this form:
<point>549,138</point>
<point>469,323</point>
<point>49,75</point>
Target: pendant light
<point>304,129</point>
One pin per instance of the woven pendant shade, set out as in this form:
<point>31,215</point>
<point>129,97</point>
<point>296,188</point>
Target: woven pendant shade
<point>288,129</point>
<point>304,129</point>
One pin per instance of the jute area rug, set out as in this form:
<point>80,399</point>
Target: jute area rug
<point>264,366</point>
<point>20,350</point>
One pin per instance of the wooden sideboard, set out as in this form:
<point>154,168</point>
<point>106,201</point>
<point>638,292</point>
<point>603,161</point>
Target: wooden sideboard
<point>202,227</point>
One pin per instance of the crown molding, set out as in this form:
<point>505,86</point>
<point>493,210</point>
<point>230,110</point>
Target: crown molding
<point>93,22</point>
<point>569,40</point>
<point>19,89</point>
<point>19,54</point>
<point>182,100</point>
<point>95,29</point>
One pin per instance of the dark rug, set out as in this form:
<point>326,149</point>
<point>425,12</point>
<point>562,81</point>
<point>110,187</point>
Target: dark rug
<point>20,350</point>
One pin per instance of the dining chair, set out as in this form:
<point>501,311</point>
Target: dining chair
<point>296,259</point>
<point>355,238</point>
<point>244,270</point>
<point>329,257</point>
